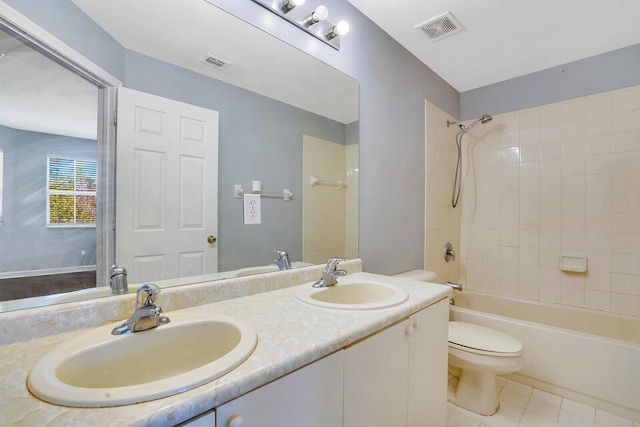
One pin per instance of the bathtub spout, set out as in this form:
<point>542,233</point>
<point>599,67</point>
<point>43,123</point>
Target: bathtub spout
<point>456,286</point>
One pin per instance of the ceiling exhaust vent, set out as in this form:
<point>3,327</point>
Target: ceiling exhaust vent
<point>215,62</point>
<point>441,26</point>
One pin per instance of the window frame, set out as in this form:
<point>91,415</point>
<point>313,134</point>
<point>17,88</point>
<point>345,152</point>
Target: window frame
<point>75,193</point>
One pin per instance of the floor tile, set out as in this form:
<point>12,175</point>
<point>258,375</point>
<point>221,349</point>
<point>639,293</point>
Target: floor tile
<point>523,406</point>
<point>609,420</point>
<point>569,419</point>
<point>580,409</point>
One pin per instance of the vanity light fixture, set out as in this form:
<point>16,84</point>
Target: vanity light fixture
<point>288,5</point>
<point>310,18</point>
<point>320,14</point>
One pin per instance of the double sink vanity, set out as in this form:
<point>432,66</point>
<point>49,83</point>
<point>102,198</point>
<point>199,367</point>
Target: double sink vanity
<point>249,351</point>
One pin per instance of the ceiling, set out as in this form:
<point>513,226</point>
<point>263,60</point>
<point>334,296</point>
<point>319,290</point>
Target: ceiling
<point>504,39</point>
<point>42,95</point>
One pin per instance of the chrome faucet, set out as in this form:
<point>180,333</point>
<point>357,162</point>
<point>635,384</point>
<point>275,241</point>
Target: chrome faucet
<point>147,313</point>
<point>456,286</point>
<point>283,260</point>
<point>118,282</point>
<point>330,274</point>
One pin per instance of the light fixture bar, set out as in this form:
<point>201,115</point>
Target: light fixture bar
<point>310,19</point>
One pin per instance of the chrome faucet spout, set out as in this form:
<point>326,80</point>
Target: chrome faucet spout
<point>147,313</point>
<point>283,260</point>
<point>456,286</point>
<point>330,274</point>
<point>118,282</point>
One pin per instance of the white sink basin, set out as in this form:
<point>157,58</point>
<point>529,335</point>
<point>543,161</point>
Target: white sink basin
<point>99,369</point>
<point>352,294</point>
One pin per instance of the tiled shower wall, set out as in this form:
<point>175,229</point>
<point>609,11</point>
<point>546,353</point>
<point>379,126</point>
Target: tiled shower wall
<point>558,178</point>
<point>330,214</point>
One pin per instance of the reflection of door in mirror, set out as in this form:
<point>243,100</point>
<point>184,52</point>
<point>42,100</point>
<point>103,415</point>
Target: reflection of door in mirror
<point>48,141</point>
<point>167,185</point>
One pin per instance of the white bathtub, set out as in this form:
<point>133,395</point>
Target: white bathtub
<point>586,356</point>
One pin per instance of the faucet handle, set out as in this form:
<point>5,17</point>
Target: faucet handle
<point>147,294</point>
<point>281,253</point>
<point>332,264</point>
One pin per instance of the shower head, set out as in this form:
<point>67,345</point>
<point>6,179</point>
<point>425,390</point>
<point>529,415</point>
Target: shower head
<point>485,118</point>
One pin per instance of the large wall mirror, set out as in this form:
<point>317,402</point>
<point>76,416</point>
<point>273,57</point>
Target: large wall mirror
<point>284,117</point>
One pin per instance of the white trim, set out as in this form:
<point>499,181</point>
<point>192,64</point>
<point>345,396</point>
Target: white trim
<point>24,27</point>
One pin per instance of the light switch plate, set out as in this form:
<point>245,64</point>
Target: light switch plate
<point>252,209</point>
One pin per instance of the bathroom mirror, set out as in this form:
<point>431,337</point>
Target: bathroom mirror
<point>247,150</point>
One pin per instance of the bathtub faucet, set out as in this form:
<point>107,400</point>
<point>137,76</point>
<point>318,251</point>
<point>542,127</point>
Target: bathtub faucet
<point>456,286</point>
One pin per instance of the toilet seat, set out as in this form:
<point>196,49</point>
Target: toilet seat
<point>480,340</point>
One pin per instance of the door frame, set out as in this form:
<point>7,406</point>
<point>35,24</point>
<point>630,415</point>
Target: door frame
<point>44,42</point>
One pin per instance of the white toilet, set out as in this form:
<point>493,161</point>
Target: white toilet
<point>476,355</point>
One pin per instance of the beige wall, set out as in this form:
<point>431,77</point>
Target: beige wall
<point>443,221</point>
<point>559,178</point>
<point>330,213</point>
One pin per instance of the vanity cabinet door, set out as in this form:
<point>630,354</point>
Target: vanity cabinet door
<point>398,377</point>
<point>208,419</point>
<point>428,357</point>
<point>310,397</point>
<point>375,379</point>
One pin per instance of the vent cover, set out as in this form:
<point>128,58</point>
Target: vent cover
<point>441,26</point>
<point>215,62</point>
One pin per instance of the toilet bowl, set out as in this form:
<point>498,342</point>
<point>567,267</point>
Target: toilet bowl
<point>476,356</point>
<point>479,354</point>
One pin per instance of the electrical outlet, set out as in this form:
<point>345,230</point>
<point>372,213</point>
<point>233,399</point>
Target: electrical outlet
<point>252,209</point>
<point>83,253</point>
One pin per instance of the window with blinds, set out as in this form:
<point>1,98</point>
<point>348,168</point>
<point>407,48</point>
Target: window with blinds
<point>71,192</point>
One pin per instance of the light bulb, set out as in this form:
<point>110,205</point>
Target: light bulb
<point>321,13</point>
<point>289,5</point>
<point>340,29</point>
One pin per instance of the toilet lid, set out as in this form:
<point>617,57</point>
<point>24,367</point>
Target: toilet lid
<point>475,337</point>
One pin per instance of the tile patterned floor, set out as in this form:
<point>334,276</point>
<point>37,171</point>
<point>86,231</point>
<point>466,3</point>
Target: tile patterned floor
<point>523,406</point>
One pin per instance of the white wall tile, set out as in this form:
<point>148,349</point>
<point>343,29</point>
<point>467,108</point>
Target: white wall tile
<point>561,177</point>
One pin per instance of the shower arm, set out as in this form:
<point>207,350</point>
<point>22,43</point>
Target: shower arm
<point>463,128</point>
<point>485,118</point>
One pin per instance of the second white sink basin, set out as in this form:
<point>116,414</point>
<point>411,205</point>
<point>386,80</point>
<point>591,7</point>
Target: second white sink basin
<point>352,294</point>
<point>99,369</point>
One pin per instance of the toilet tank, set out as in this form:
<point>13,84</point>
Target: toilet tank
<point>419,275</point>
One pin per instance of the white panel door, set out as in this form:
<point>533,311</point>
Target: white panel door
<point>167,187</point>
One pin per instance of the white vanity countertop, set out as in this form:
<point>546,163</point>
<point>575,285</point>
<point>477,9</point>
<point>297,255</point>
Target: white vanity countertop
<point>291,334</point>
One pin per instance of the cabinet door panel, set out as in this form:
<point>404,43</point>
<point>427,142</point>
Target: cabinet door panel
<point>375,385</point>
<point>428,366</point>
<point>309,397</point>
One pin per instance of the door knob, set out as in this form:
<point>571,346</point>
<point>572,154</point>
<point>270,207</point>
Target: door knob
<point>212,239</point>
